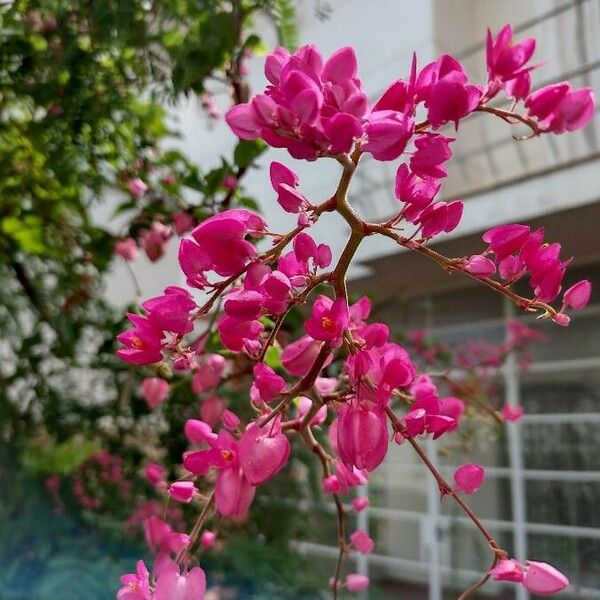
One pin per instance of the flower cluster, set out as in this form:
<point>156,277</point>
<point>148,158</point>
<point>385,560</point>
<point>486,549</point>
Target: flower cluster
<point>344,387</point>
<point>516,252</point>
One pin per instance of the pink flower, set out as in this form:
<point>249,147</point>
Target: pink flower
<point>183,222</point>
<point>208,539</point>
<point>439,217</point>
<point>560,108</point>
<point>415,190</point>
<point>222,239</point>
<point>542,578</point>
<point>356,582</point>
<point>454,408</point>
<point>480,266</point>
<point>312,108</point>
<point>267,382</point>
<point>173,585</point>
<point>285,182</point>
<point>505,239</point>
<point>307,250</point>
<point>155,240</point>
<point>233,494</point>
<point>578,295</point>
<point>360,503</point>
<point>508,569</point>
<point>244,305</point>
<point>469,478</point>
<point>182,491</point>
<point>305,404</point>
<point>362,437</point>
<point>263,452</point>
<point>211,409</point>
<point>127,249</point>
<point>155,474</point>
<point>505,60</point>
<point>154,390</point>
<point>208,373</point>
<point>512,413</point>
<point>229,182</point>
<point>161,538</point>
<point>328,320</point>
<point>519,87</point>
<point>171,311</point>
<point>137,188</point>
<point>443,84</point>
<point>193,262</point>
<point>348,478</point>
<point>230,420</point>
<point>279,174</point>
<point>362,542</point>
<point>143,343</point>
<point>238,335</point>
<point>388,132</point>
<point>199,432</point>
<point>136,586</point>
<point>432,151</point>
<point>298,357</point>
<point>223,454</point>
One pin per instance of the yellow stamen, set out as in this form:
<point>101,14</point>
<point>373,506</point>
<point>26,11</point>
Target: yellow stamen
<point>326,323</point>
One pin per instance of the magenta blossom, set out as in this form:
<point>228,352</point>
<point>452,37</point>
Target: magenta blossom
<point>222,239</point>
<point>199,432</point>
<point>328,320</point>
<point>233,494</point>
<point>171,584</point>
<point>263,452</point>
<point>432,151</point>
<point>161,538</point>
<point>508,569</point>
<point>443,84</point>
<point>182,491</point>
<point>154,391</point>
<point>362,437</point>
<point>267,383</point>
<point>136,187</point>
<point>469,478</point>
<point>211,409</point>
<point>578,295</point>
<point>506,61</point>
<point>312,108</point>
<point>155,240</point>
<point>208,373</point>
<point>155,474</point>
<point>360,503</point>
<point>362,542</point>
<point>127,249</point>
<point>208,539</point>
<point>143,343</point>
<point>560,108</point>
<point>356,582</point>
<point>542,578</point>
<point>171,311</point>
<point>183,222</point>
<point>136,586</point>
<point>298,357</point>
<point>388,132</point>
<point>239,335</point>
<point>512,413</point>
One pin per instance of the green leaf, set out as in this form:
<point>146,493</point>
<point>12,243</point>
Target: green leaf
<point>273,357</point>
<point>247,151</point>
<point>52,458</point>
<point>285,20</point>
<point>27,232</point>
